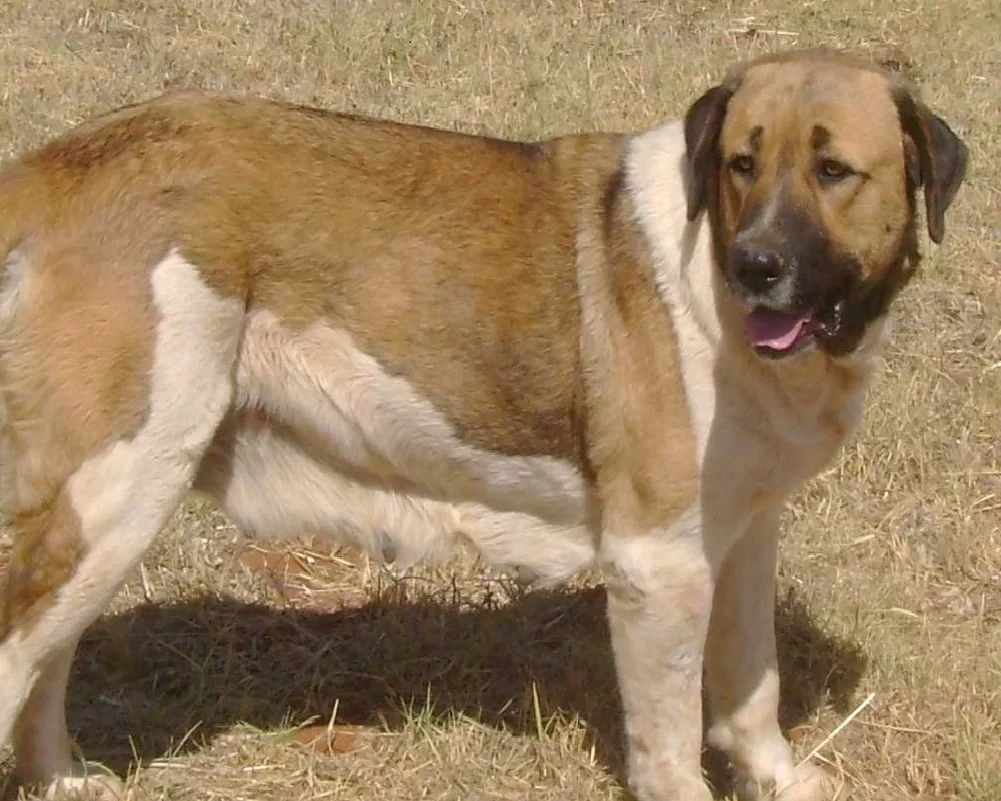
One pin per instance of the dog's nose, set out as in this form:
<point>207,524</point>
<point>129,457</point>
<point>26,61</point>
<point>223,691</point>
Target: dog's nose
<point>758,269</point>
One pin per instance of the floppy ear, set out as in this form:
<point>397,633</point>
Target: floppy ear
<point>936,158</point>
<point>703,123</point>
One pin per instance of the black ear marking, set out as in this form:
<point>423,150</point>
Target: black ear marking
<point>703,123</point>
<point>936,156</point>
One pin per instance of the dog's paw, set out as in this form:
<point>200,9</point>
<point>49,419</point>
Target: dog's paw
<point>671,788</point>
<point>89,782</point>
<point>806,782</point>
<point>810,782</point>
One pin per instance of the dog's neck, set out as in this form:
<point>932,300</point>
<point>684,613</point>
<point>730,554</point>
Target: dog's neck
<point>821,390</point>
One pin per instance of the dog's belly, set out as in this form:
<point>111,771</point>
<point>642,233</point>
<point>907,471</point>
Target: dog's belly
<point>336,446</point>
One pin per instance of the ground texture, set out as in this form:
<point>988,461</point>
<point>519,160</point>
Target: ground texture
<point>222,666</point>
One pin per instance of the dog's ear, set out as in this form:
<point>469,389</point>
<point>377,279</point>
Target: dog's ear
<point>936,158</point>
<point>703,123</point>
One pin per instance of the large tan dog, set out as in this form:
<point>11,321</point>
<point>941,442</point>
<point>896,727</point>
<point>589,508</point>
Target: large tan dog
<point>402,336</point>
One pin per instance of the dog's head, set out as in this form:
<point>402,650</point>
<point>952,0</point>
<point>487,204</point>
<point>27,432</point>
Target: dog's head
<point>808,164</point>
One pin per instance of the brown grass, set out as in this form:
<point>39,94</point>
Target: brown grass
<point>464,687</point>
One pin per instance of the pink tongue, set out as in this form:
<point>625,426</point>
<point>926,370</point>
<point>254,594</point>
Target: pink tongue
<point>777,330</point>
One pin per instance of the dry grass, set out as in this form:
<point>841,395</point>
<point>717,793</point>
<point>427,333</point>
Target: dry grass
<point>465,688</point>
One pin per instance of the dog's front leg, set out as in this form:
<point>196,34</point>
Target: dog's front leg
<point>742,673</point>
<point>659,601</point>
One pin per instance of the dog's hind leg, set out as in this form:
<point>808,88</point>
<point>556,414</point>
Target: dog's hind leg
<point>84,512</point>
<point>40,735</point>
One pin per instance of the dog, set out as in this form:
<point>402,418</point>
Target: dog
<point>613,350</point>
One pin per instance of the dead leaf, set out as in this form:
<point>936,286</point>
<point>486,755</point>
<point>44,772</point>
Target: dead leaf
<point>323,739</point>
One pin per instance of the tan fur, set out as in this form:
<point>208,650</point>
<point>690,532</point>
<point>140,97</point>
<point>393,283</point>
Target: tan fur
<point>786,101</point>
<point>403,338</point>
<point>376,229</point>
<point>47,548</point>
<point>643,448</point>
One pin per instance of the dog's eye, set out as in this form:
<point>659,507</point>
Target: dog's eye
<point>832,170</point>
<point>742,164</point>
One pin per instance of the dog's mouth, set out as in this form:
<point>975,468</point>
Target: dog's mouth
<point>776,334</point>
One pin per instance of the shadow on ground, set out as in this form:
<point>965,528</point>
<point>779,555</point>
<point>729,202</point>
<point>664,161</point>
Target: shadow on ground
<point>145,678</point>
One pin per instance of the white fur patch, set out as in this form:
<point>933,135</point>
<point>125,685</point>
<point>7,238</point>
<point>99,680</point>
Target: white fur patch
<point>269,483</point>
<point>13,275</point>
<point>543,553</point>
<point>383,462</point>
<point>17,677</point>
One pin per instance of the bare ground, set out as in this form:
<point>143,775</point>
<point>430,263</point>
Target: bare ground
<point>450,683</point>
